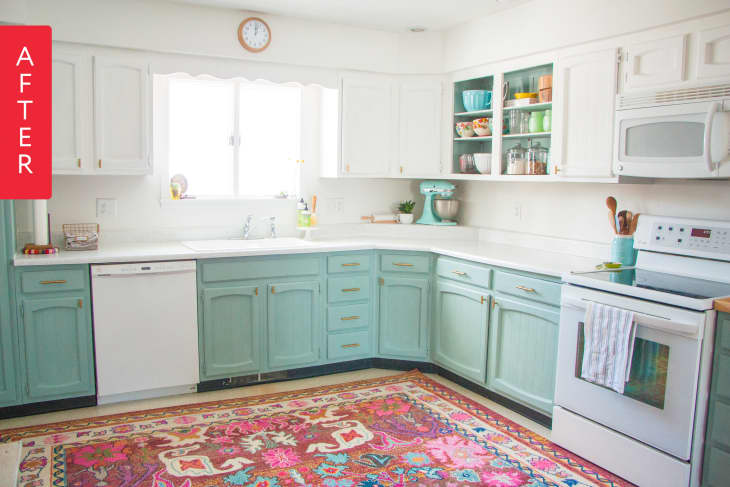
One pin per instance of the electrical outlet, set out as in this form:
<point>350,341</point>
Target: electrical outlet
<point>336,206</point>
<point>517,211</point>
<point>106,207</point>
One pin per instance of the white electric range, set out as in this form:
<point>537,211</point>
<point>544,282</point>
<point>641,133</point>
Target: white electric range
<point>653,433</point>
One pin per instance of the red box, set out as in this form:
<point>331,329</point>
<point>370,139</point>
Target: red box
<point>25,108</point>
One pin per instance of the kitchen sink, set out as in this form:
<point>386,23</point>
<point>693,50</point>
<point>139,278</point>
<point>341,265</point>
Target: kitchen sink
<point>240,244</point>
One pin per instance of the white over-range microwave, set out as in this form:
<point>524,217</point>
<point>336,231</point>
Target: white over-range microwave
<point>682,133</point>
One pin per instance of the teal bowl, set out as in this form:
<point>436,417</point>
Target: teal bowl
<point>476,100</point>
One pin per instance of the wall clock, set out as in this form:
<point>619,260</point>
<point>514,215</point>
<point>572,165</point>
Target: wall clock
<point>254,34</point>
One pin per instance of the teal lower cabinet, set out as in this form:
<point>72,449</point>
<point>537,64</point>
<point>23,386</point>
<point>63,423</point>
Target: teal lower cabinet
<point>716,462</point>
<point>403,316</point>
<point>293,324</point>
<point>229,332</point>
<point>523,340</point>
<point>58,347</point>
<point>9,395</point>
<point>461,322</point>
<point>54,316</point>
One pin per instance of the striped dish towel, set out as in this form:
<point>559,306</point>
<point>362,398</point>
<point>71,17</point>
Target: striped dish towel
<point>608,346</point>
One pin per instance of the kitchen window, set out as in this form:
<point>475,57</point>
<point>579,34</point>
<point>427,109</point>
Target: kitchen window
<point>228,139</point>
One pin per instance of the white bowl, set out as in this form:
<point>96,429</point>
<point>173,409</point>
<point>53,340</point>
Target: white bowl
<point>483,162</point>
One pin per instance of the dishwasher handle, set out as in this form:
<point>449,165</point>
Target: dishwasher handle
<point>142,268</point>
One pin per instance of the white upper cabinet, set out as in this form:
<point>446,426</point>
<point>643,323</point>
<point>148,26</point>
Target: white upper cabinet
<point>71,85</point>
<point>122,105</point>
<point>584,98</point>
<point>420,124</point>
<point>714,53</point>
<point>367,126</point>
<point>655,63</point>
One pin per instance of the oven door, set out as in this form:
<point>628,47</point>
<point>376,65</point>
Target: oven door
<point>688,140</point>
<point>658,403</point>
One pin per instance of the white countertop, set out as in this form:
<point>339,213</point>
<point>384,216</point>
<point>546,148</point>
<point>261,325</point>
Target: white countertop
<point>519,258</point>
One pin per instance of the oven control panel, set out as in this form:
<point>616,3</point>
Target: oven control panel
<point>701,238</point>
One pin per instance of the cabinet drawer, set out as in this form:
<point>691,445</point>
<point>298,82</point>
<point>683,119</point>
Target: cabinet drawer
<point>346,317</point>
<point>53,280</point>
<point>527,287</point>
<point>464,272</point>
<point>404,263</point>
<point>348,345</point>
<point>348,288</point>
<point>247,268</point>
<point>348,263</point>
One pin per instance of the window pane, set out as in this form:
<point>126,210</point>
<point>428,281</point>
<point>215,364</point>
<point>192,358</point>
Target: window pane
<point>269,127</point>
<point>201,122</point>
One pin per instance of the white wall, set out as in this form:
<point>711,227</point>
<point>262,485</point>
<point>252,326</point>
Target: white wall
<point>189,29</point>
<point>577,211</point>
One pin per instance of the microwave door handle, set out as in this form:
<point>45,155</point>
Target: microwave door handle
<point>714,107</point>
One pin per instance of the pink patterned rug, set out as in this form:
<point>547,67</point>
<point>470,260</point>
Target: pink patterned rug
<point>403,430</point>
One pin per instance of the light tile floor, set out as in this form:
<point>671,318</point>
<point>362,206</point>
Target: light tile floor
<point>246,392</point>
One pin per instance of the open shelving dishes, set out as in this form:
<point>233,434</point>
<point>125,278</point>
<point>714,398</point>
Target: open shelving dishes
<point>500,141</point>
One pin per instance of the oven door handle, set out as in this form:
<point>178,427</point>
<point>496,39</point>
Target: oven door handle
<point>714,108</point>
<point>650,321</point>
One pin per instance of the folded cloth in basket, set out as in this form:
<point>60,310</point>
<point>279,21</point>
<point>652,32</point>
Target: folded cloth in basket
<point>608,346</point>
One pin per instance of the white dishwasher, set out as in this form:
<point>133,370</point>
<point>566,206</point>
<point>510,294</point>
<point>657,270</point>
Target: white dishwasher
<point>145,329</point>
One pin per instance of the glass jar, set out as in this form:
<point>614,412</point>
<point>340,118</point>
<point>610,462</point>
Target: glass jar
<point>516,163</point>
<point>535,122</point>
<point>547,121</point>
<point>537,158</point>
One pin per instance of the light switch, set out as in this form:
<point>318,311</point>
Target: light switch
<point>106,207</point>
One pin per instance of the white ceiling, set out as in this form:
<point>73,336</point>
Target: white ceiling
<point>389,15</point>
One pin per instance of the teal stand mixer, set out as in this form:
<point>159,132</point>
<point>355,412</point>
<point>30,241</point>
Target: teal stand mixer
<point>433,189</point>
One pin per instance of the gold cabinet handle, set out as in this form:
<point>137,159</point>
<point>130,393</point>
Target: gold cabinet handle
<point>351,290</point>
<point>459,273</point>
<point>351,264</point>
<point>349,318</point>
<point>81,303</point>
<point>494,303</point>
<point>526,289</point>
<point>350,345</point>
<point>482,299</point>
<point>402,264</point>
<point>256,291</point>
<point>99,163</point>
<point>78,162</point>
<point>59,281</point>
<point>273,290</point>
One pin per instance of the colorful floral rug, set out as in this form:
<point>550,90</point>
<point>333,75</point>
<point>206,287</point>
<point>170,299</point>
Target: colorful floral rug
<point>403,430</point>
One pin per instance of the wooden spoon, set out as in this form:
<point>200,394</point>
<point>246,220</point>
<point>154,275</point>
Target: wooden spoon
<point>623,224</point>
<point>629,219</point>
<point>611,204</point>
<point>634,223</point>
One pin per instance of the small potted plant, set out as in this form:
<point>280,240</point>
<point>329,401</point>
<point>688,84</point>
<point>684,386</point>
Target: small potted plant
<point>406,211</point>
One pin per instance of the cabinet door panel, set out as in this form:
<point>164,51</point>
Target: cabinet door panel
<point>523,339</point>
<point>8,344</point>
<point>367,126</point>
<point>69,74</point>
<point>714,53</point>
<point>121,116</point>
<point>655,63</point>
<point>585,93</point>
<point>420,122</point>
<point>58,348</point>
<point>293,324</point>
<point>403,317</point>
<point>230,332</point>
<point>460,330</point>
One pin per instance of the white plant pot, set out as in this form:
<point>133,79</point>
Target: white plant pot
<point>406,218</point>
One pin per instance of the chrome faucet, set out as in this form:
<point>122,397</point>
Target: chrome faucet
<point>247,226</point>
<point>272,223</point>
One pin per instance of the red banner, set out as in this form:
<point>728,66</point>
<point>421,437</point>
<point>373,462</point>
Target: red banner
<point>25,112</point>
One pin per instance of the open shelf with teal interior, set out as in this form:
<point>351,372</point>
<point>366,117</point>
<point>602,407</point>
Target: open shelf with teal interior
<point>476,144</point>
<point>520,81</point>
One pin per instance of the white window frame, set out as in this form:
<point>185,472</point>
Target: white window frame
<point>161,140</point>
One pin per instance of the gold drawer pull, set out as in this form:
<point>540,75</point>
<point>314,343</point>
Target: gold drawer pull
<point>351,290</point>
<point>402,264</point>
<point>526,289</point>
<point>349,318</point>
<point>351,264</point>
<point>459,273</point>
<point>59,281</point>
<point>351,345</point>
